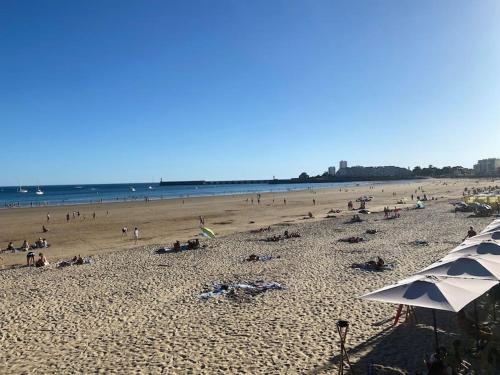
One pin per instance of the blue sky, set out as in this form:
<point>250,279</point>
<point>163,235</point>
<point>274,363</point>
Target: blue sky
<point>118,91</point>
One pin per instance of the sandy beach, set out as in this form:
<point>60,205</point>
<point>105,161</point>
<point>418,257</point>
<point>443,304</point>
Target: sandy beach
<point>136,311</point>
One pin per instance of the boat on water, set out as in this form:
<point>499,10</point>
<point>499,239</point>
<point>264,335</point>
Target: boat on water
<point>150,187</point>
<point>39,191</point>
<point>132,188</point>
<point>21,190</point>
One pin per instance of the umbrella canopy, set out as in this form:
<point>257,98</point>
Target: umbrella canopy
<point>209,232</point>
<point>492,227</point>
<point>484,237</point>
<point>467,266</point>
<point>487,249</point>
<point>433,292</point>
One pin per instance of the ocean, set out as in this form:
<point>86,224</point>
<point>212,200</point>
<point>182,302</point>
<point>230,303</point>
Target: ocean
<point>100,193</point>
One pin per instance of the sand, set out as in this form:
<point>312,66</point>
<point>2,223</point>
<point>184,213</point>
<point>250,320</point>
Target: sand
<point>136,311</point>
<point>163,222</point>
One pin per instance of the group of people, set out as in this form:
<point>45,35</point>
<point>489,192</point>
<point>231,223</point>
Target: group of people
<point>136,233</point>
<point>40,262</point>
<point>191,245</point>
<point>286,235</point>
<point>395,213</point>
<point>41,243</point>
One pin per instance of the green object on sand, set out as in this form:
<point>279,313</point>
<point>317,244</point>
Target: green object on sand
<point>209,232</point>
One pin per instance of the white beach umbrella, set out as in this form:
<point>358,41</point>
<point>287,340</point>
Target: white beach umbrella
<point>487,249</point>
<point>492,227</point>
<point>487,236</point>
<point>467,266</point>
<point>433,292</point>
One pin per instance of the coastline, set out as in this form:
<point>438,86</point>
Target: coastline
<point>162,222</point>
<point>150,195</point>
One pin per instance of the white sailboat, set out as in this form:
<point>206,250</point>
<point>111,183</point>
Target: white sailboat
<point>21,190</point>
<point>132,188</point>
<point>39,191</point>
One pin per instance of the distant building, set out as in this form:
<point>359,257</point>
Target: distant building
<point>342,164</point>
<point>331,171</point>
<point>487,167</point>
<point>371,172</point>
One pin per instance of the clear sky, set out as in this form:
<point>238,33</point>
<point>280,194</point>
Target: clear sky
<point>116,91</point>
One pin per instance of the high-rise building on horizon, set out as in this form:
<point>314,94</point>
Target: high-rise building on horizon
<point>342,164</point>
<point>331,171</point>
<point>487,167</point>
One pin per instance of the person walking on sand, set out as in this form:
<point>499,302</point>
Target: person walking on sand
<point>284,201</point>
<point>48,217</point>
<point>314,202</point>
<point>93,215</point>
<point>136,234</point>
<point>202,221</point>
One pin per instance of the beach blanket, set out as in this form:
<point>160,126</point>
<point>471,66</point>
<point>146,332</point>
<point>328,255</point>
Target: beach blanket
<point>239,291</point>
<point>166,250</point>
<point>373,267</point>
<point>255,258</point>
<point>67,263</point>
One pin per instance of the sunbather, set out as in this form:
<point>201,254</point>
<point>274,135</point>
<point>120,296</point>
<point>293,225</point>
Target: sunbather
<point>25,246</point>
<point>352,239</point>
<point>42,261</point>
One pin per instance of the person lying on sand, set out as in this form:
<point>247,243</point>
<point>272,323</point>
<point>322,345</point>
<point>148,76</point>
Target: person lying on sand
<point>44,229</point>
<point>353,239</point>
<point>286,235</point>
<point>378,265</point>
<point>291,234</point>
<point>11,247</point>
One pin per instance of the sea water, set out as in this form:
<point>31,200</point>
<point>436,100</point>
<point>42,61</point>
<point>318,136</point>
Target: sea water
<point>101,193</point>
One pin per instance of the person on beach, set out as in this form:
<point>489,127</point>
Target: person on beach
<point>284,201</point>
<point>314,202</point>
<point>67,217</point>
<point>202,221</point>
<point>48,217</point>
<point>10,246</point>
<point>42,261</point>
<point>25,246</point>
<point>470,233</point>
<point>30,259</point>
<point>44,229</point>
<point>93,215</point>
<point>124,231</point>
<point>136,234</point>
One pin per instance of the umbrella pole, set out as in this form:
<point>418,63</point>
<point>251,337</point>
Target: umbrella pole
<point>477,324</point>
<point>435,331</point>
